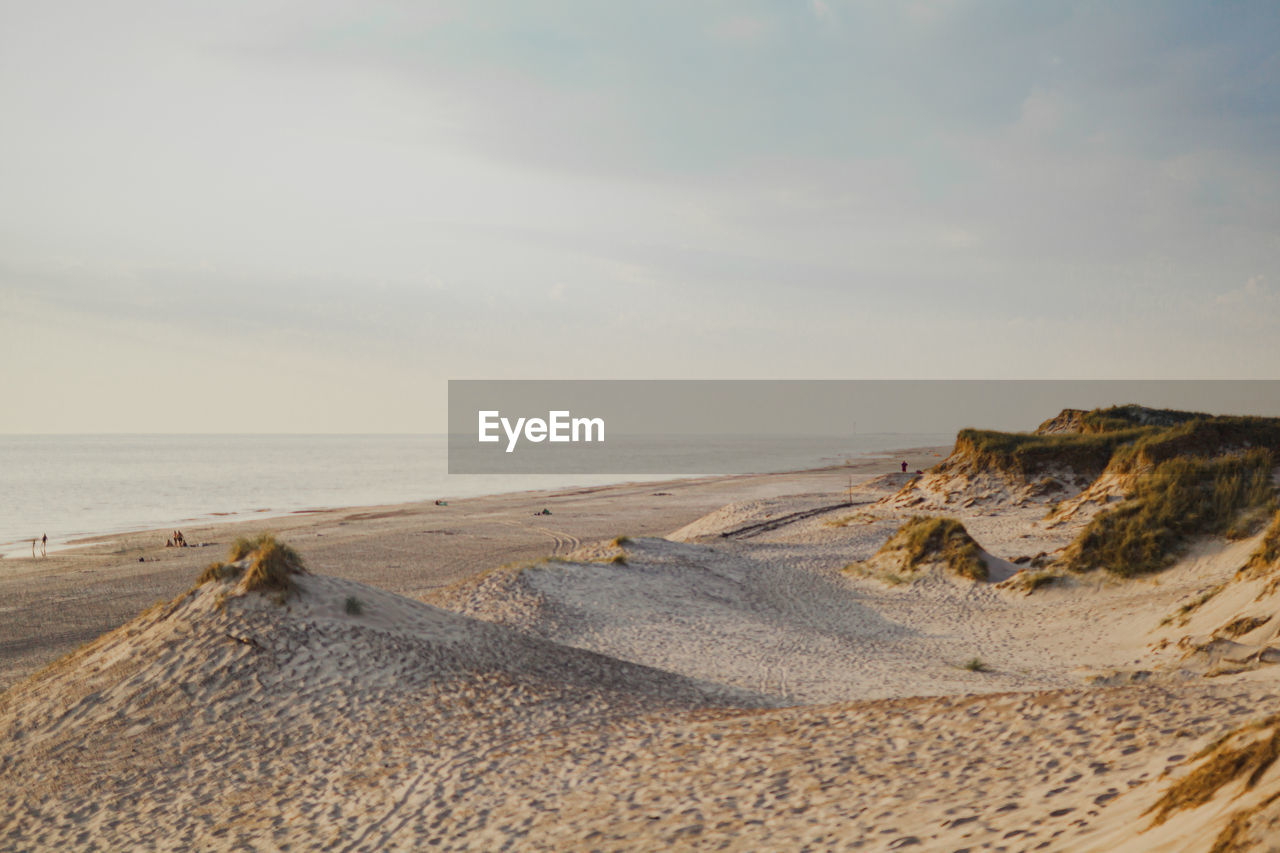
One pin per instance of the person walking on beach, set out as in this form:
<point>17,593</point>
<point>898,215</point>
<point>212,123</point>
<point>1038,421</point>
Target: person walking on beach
<point>904,466</point>
<point>44,541</point>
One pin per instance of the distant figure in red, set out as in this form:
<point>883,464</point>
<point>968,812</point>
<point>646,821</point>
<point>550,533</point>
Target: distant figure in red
<point>904,467</point>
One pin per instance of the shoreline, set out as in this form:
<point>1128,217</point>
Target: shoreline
<point>77,593</point>
<point>18,549</point>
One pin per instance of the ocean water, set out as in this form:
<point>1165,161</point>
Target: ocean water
<point>70,486</point>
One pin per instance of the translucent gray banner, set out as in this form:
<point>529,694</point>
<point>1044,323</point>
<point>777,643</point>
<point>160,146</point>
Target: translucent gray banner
<point>740,426</point>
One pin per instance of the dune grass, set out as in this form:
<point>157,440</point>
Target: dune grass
<point>1223,765</point>
<point>1123,439</point>
<point>1200,437</point>
<point>1185,474</point>
<point>272,565</point>
<point>1267,554</point>
<point>1241,625</point>
<point>1028,581</point>
<point>1027,454</point>
<point>1036,580</point>
<point>216,572</point>
<point>1176,500</point>
<point>926,539</point>
<point>1249,522</point>
<point>1185,611</point>
<point>1116,418</point>
<point>1232,837</point>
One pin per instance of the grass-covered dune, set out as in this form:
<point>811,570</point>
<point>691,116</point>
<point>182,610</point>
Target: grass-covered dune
<point>1121,439</point>
<point>1077,442</point>
<point>1027,455</point>
<point>1172,502</point>
<point>1117,418</point>
<point>923,541</point>
<point>1180,475</point>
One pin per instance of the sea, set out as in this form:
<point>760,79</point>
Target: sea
<point>74,486</point>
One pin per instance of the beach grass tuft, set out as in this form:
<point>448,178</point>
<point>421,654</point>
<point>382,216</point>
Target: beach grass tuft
<point>1028,581</point>
<point>1267,555</point>
<point>271,567</point>
<point>1222,765</point>
<point>923,539</point>
<point>216,572</point>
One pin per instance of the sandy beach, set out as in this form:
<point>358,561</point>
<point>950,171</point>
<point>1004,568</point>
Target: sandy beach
<point>726,664</point>
<point>55,604</point>
<point>985,295</point>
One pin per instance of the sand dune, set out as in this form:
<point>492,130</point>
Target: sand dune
<point>731,686</point>
<point>693,610</point>
<point>225,719</point>
<point>218,719</point>
<point>304,725</point>
<point>1232,623</point>
<point>58,604</point>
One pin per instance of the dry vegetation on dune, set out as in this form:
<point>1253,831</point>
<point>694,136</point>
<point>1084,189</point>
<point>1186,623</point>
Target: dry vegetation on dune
<point>1176,500</point>
<point>1247,753</point>
<point>1128,416</point>
<point>1028,581</point>
<point>1028,454</point>
<point>923,540</point>
<point>1264,562</point>
<point>270,565</point>
<point>1180,475</point>
<point>1244,755</point>
<point>1123,439</point>
<point>1202,437</point>
<point>1267,555</point>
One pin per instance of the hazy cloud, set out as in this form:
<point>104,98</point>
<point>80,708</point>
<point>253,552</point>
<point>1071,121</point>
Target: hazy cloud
<point>436,188</point>
<point>1253,292</point>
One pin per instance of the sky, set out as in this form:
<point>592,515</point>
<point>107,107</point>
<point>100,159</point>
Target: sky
<point>307,217</point>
